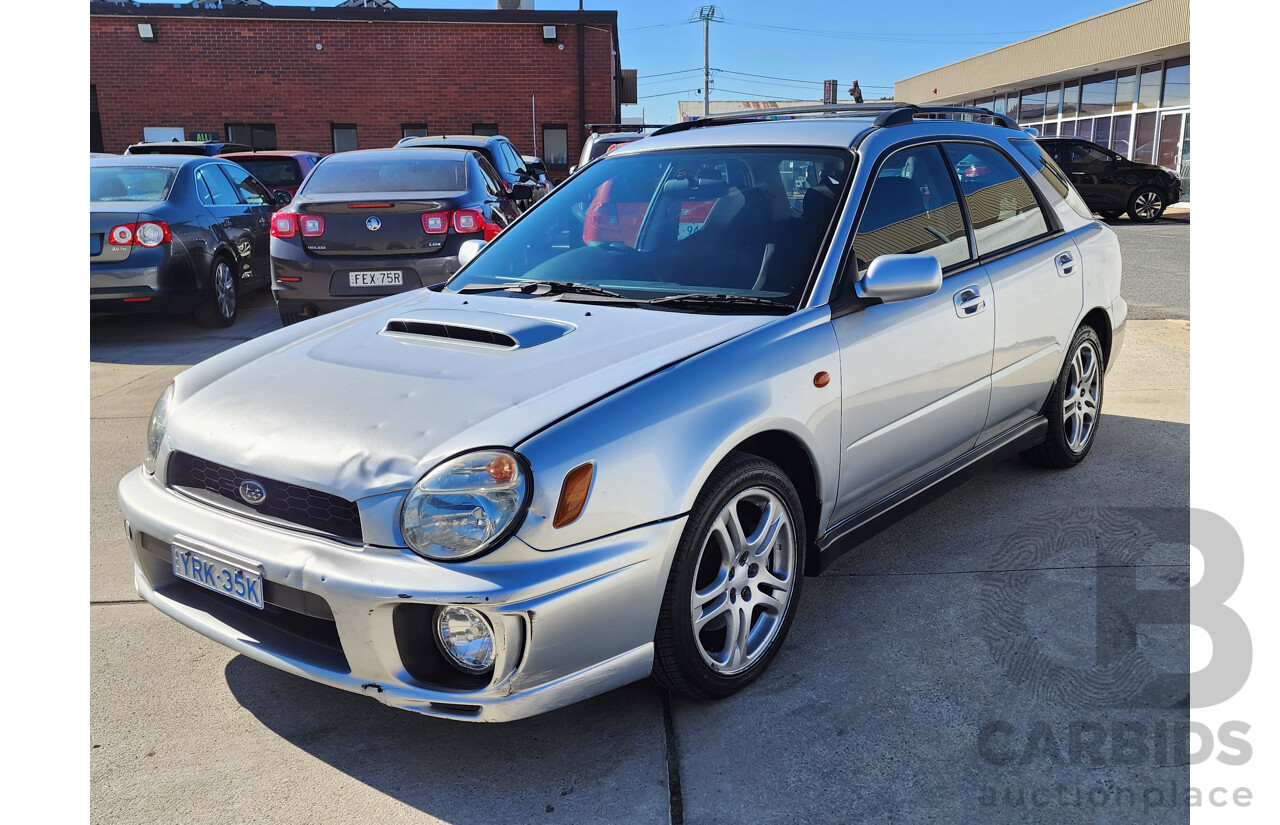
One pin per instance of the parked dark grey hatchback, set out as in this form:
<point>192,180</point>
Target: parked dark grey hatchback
<point>175,233</point>
<point>381,221</point>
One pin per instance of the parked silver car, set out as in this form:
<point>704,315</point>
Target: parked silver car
<point>616,442</point>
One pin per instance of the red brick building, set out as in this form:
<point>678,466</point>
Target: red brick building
<point>338,78</point>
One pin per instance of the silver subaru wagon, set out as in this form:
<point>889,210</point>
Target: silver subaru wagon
<point>615,443</point>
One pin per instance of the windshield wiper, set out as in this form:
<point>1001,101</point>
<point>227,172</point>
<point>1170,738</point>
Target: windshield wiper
<point>719,301</point>
<point>541,288</point>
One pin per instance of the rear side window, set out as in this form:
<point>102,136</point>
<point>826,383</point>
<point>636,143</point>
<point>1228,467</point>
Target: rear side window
<point>1052,175</point>
<point>912,208</point>
<point>110,184</point>
<point>387,175</point>
<point>214,188</point>
<point>1002,207</point>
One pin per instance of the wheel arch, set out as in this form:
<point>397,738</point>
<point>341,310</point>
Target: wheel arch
<point>1099,320</point>
<point>792,456</point>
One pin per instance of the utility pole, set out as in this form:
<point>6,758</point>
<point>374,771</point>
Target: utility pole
<point>708,15</point>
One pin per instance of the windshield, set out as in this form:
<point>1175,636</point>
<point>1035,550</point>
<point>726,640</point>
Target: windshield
<point>386,174</point>
<point>108,184</point>
<point>741,222</point>
<point>273,171</point>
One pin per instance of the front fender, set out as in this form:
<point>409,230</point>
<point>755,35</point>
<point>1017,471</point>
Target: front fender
<point>655,442</point>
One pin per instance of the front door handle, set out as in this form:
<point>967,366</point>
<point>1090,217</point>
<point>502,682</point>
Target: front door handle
<point>1066,263</point>
<point>969,301</point>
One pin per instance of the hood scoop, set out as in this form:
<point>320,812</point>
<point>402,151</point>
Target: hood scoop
<point>474,330</point>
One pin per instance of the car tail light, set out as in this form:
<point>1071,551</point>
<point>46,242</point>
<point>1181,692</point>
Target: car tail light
<point>311,226</point>
<point>466,221</point>
<point>284,225</point>
<point>491,231</point>
<point>148,233</point>
<point>435,223</point>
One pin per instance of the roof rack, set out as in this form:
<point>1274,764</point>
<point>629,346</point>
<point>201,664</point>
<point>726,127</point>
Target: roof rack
<point>889,114</point>
<point>623,127</point>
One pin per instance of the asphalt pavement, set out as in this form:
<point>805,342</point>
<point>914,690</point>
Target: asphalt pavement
<point>973,663</point>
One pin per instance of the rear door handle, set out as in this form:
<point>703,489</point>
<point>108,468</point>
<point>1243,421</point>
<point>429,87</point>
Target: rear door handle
<point>969,301</point>
<point>1066,264</point>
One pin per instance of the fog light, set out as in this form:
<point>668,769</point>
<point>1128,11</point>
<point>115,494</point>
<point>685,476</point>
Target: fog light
<point>465,637</point>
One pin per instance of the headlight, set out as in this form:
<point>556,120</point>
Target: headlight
<point>466,505</point>
<point>156,427</point>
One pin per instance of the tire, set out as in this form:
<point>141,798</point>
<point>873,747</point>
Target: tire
<point>741,557</point>
<point>287,318</point>
<point>1074,411</point>
<point>217,307</point>
<point>1111,214</point>
<point>1146,204</point>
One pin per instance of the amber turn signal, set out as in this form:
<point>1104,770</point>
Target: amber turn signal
<point>822,379</point>
<point>573,495</point>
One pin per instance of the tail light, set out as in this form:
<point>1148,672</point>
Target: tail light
<point>491,231</point>
<point>288,224</point>
<point>466,221</point>
<point>284,225</point>
<point>435,223</point>
<point>148,233</point>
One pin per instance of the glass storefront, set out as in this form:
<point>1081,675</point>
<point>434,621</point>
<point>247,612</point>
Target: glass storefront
<point>1141,112</point>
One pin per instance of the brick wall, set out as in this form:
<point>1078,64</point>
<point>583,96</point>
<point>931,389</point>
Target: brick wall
<point>206,72</point>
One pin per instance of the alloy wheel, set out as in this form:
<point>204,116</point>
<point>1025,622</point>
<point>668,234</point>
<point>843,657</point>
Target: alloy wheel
<point>224,287</point>
<point>1148,205</point>
<point>744,580</point>
<point>1080,402</point>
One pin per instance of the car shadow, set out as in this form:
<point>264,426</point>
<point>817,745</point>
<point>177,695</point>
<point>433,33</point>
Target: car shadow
<point>162,339</point>
<point>1175,217</point>
<point>572,762</point>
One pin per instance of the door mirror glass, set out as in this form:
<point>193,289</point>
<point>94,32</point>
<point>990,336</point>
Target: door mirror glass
<point>282,197</point>
<point>469,250</point>
<point>900,278</point>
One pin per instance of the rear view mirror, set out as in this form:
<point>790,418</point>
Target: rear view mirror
<point>900,278</point>
<point>469,250</point>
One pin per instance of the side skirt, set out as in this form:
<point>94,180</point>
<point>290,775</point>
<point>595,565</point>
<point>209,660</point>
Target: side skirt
<point>861,526</point>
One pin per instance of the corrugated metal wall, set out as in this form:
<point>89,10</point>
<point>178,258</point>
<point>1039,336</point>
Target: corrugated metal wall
<point>1132,30</point>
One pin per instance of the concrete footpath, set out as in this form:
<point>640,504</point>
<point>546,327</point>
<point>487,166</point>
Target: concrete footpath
<point>959,667</point>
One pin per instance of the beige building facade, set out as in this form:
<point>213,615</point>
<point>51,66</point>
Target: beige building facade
<point>1121,79</point>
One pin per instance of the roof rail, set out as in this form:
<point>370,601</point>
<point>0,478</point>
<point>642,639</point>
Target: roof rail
<point>890,113</point>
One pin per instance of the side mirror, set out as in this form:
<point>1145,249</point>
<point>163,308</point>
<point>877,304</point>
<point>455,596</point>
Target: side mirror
<point>281,197</point>
<point>521,192</point>
<point>573,168</point>
<point>469,250</point>
<point>894,278</point>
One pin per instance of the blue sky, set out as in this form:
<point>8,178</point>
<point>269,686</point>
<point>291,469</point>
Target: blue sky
<point>784,50</point>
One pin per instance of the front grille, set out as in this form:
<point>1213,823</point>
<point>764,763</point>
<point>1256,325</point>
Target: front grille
<point>312,509</point>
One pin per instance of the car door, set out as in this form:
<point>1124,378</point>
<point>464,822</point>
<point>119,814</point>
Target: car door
<point>230,221</point>
<point>501,207</point>
<point>1036,275</point>
<point>1096,174</point>
<point>915,374</point>
<point>259,206</point>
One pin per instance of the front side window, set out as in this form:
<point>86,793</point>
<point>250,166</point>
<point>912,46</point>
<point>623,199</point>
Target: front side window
<point>251,191</point>
<point>674,223</point>
<point>1002,208</point>
<point>214,188</point>
<point>911,208</point>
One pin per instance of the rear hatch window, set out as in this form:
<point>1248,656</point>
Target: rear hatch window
<point>273,172</point>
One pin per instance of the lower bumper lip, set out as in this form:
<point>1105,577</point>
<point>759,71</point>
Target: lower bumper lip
<point>568,624</point>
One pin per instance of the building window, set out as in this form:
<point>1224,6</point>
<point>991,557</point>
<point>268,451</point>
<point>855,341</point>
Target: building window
<point>1102,131</point>
<point>253,135</point>
<point>413,130</point>
<point>95,122</point>
<point>1177,83</point>
<point>1052,101</point>
<point>1149,87</point>
<point>1144,138</point>
<point>1099,95</point>
<point>484,129</point>
<point>1120,134</point>
<point>344,137</point>
<point>1126,89</point>
<point>1071,98</point>
<point>1067,128</point>
<point>1031,108</point>
<point>555,143</point>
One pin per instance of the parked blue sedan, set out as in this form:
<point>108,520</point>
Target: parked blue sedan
<point>173,233</point>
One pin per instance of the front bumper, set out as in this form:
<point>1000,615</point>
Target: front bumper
<point>568,624</point>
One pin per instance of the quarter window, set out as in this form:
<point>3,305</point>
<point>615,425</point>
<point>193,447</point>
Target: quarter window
<point>912,207</point>
<point>1002,208</point>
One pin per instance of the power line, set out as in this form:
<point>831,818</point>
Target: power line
<point>664,74</point>
<point>863,36</point>
<point>791,79</point>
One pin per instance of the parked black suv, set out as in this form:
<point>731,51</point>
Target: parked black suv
<point>1110,184</point>
<point>210,148</point>
<point>496,149</point>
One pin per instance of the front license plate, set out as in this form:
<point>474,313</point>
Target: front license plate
<point>227,578</point>
<point>393,277</point>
